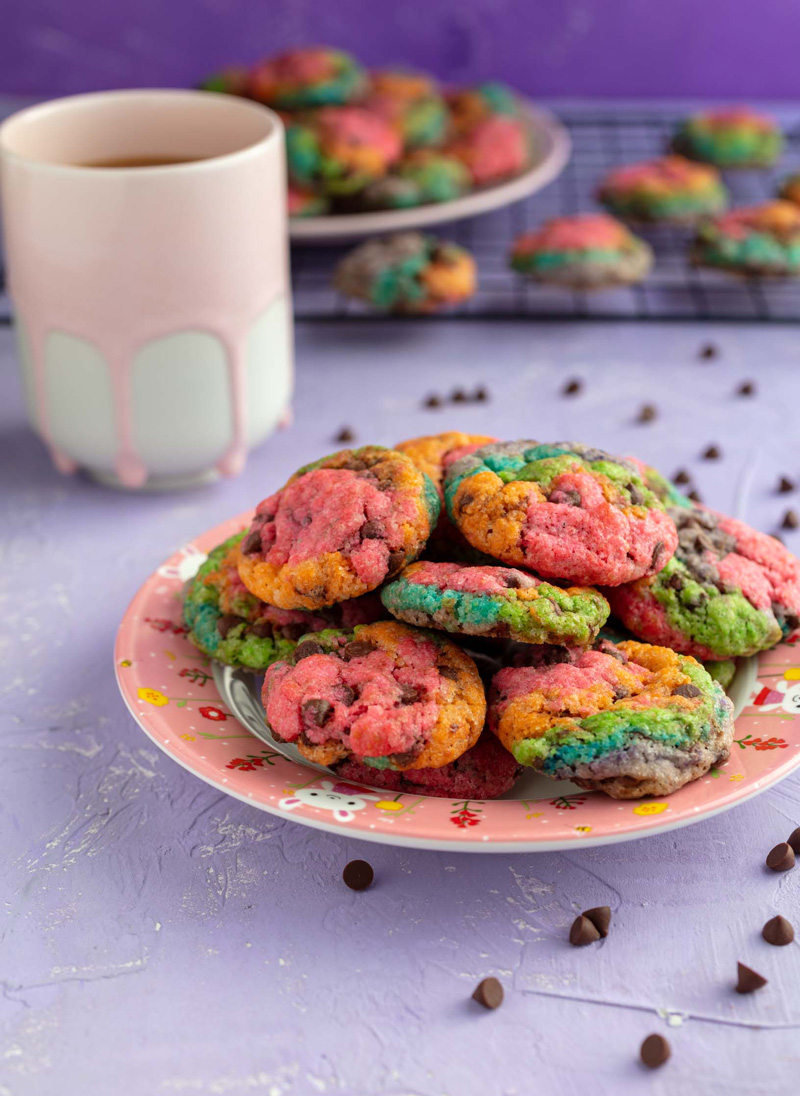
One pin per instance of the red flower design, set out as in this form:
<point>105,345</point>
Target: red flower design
<point>761,743</point>
<point>208,711</point>
<point>158,624</point>
<point>198,677</point>
<point>250,763</point>
<point>464,818</point>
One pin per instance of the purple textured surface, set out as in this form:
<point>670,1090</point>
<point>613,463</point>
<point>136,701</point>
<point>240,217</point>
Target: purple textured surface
<point>554,47</point>
<point>160,938</point>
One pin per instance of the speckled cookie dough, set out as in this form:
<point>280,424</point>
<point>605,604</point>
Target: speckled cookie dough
<point>498,602</point>
<point>757,240</point>
<point>412,104</point>
<point>468,106</point>
<point>388,695</point>
<point>669,190</point>
<point>494,149</point>
<point>409,272</point>
<point>564,510</point>
<point>230,625</point>
<point>340,150</point>
<point>311,77</point>
<point>728,591</point>
<point>629,719</point>
<point>338,529</point>
<point>736,137</point>
<point>483,772</point>
<point>590,251</point>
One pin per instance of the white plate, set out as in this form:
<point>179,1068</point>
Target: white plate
<point>553,150</point>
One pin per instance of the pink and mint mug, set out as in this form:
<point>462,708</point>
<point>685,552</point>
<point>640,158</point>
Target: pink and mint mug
<point>152,303</point>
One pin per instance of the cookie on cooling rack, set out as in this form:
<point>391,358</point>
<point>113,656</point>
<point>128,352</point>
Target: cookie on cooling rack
<point>669,190</point>
<point>589,251</point>
<point>737,137</point>
<point>761,241</point>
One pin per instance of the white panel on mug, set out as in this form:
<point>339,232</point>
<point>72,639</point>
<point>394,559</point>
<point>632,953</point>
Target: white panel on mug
<point>269,370</point>
<point>79,400</point>
<point>182,404</point>
<point>26,369</point>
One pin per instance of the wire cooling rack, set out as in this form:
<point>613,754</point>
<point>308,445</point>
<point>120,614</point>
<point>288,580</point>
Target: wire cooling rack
<point>674,291</point>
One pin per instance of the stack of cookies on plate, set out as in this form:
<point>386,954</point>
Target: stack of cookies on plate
<point>390,139</point>
<point>434,617</point>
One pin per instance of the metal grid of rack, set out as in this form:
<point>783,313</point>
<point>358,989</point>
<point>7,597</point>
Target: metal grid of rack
<point>674,290</point>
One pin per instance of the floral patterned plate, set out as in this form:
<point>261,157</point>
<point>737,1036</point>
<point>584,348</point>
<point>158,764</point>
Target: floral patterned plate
<point>191,713</point>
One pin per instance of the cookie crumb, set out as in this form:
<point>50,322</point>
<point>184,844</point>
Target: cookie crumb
<point>583,932</point>
<point>708,351</point>
<point>572,388</point>
<point>344,435</point>
<point>433,400</point>
<point>358,875</point>
<point>790,520</point>
<point>647,412</point>
<point>713,452</point>
<point>681,477</point>
<point>746,388</point>
<point>489,993</point>
<point>600,916</point>
<point>748,980</point>
<point>778,931</point>
<point>785,485</point>
<point>655,1051</point>
<point>781,858</point>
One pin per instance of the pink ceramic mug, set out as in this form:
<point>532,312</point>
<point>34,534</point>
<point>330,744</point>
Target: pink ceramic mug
<point>152,303</point>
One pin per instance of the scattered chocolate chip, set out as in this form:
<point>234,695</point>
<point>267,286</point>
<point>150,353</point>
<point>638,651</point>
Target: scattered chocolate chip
<point>572,388</point>
<point>794,839</point>
<point>785,485</point>
<point>748,980</point>
<point>344,435</point>
<point>781,858</point>
<point>489,993</point>
<point>433,401</point>
<point>681,477</point>
<point>409,694</point>
<point>686,690</point>
<point>790,520</point>
<point>583,932</point>
<point>712,453</point>
<point>226,622</point>
<point>511,581</point>
<point>265,629</point>
<point>658,551</point>
<point>306,648</point>
<point>252,542</point>
<point>317,711</point>
<point>357,648</point>
<point>358,875</point>
<point>655,1051</point>
<point>694,496</point>
<point>449,672</point>
<point>600,916</point>
<point>480,395</point>
<point>708,351</point>
<point>778,931</point>
<point>746,388</point>
<point>647,412</point>
<point>347,695</point>
<point>458,395</point>
<point>395,562</point>
<point>371,530</point>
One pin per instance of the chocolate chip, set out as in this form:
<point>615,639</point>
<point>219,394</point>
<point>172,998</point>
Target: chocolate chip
<point>292,632</point>
<point>488,993</point>
<point>713,452</point>
<point>778,931</point>
<point>794,839</point>
<point>785,485</point>
<point>409,694</point>
<point>654,1051</point>
<point>748,980</point>
<point>265,628</point>
<point>306,648</point>
<point>583,932</point>
<point>676,582</point>
<point>358,875</point>
<point>790,520</point>
<point>600,916</point>
<point>511,581</point>
<point>746,388</point>
<point>636,494</point>
<point>572,388</point>
<point>395,561</point>
<point>647,412</point>
<point>687,690</point>
<point>449,672</point>
<point>226,622</point>
<point>694,496</point>
<point>658,551</point>
<point>317,711</point>
<point>346,695</point>
<point>708,351</point>
<point>620,692</point>
<point>458,395</point>
<point>357,648</point>
<point>681,477</point>
<point>371,530</point>
<point>252,542</point>
<point>432,401</point>
<point>464,501</point>
<point>345,435</point>
<point>781,858</point>
<point>480,395</point>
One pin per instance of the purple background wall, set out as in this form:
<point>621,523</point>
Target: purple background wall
<point>710,48</point>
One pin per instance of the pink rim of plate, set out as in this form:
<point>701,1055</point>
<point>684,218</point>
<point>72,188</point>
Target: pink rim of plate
<point>168,688</point>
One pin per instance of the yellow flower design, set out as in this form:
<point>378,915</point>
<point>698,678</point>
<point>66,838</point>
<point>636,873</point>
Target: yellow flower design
<point>126,662</point>
<point>650,808</point>
<point>584,829</point>
<point>152,696</point>
<point>793,674</point>
<point>736,776</point>
<point>534,814</point>
<point>389,805</point>
<point>187,737</point>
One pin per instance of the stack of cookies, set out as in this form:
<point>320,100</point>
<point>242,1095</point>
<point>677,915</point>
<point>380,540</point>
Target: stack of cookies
<point>435,617</point>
